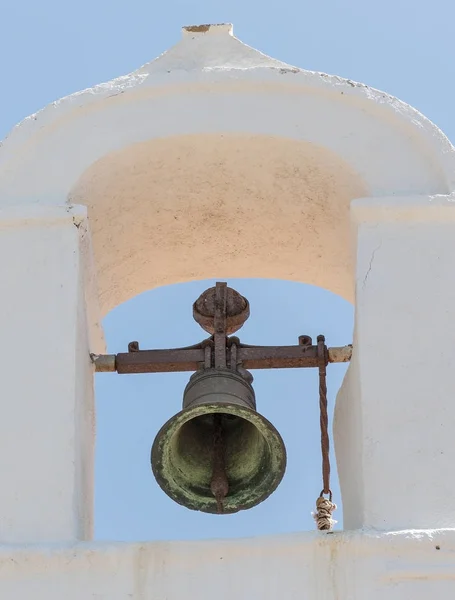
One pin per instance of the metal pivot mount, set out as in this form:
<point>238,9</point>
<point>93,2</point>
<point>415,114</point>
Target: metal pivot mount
<point>219,454</point>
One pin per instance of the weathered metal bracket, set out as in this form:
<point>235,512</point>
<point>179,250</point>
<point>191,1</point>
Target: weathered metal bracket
<point>219,311</point>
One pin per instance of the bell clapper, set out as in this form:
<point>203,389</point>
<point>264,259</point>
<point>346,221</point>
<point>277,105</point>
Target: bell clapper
<point>219,484</point>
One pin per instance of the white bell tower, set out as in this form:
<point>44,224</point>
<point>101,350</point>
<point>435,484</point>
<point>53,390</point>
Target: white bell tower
<point>120,188</point>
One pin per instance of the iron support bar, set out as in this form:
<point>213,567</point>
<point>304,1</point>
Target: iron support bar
<point>191,359</point>
<point>219,322</point>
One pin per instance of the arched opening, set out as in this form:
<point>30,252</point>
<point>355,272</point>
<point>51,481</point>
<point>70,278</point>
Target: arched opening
<point>131,409</point>
<point>217,206</point>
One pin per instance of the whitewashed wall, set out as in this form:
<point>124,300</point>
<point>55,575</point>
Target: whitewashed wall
<point>209,137</point>
<point>348,566</point>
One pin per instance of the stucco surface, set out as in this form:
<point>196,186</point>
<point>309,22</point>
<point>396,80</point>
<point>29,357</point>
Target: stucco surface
<point>352,566</point>
<point>215,205</point>
<point>47,429</point>
<point>394,414</point>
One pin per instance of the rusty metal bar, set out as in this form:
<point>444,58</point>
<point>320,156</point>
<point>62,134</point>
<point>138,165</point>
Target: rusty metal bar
<point>191,359</point>
<point>160,361</point>
<point>277,357</point>
<point>219,322</point>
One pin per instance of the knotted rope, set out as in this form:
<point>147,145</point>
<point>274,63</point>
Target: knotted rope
<point>324,506</point>
<point>323,514</point>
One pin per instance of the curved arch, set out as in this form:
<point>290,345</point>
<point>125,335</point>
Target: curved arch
<point>202,206</point>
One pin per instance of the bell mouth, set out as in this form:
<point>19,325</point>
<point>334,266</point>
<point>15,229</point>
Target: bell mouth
<point>182,457</point>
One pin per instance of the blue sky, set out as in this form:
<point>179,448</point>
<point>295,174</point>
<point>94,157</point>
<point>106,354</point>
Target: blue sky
<point>50,49</point>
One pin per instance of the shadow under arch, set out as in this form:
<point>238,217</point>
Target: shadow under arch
<point>129,503</point>
<point>219,205</point>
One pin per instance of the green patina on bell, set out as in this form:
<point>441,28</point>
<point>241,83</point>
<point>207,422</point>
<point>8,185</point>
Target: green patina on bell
<point>218,454</point>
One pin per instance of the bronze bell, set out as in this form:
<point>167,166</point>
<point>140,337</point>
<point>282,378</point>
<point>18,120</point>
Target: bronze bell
<point>218,455</point>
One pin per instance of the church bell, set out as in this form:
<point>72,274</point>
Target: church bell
<point>218,454</point>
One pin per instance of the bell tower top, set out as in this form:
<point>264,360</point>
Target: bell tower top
<point>211,132</point>
<point>211,29</point>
